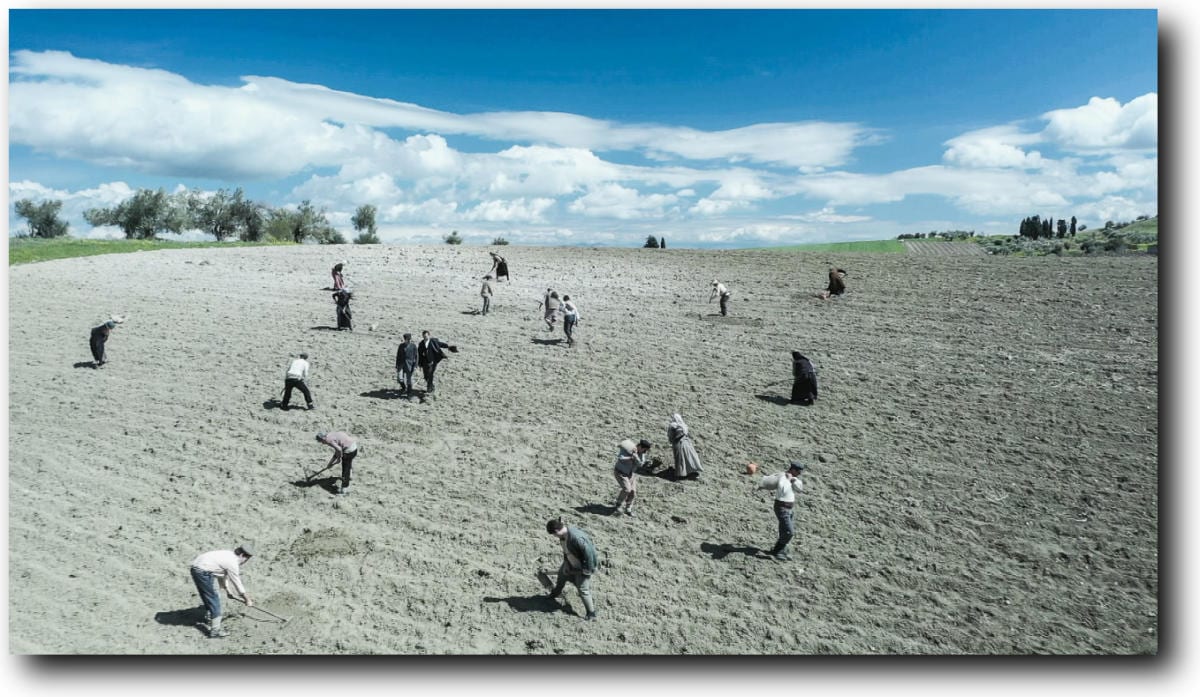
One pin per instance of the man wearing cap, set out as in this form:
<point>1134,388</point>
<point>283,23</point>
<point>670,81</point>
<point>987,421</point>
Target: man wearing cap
<point>719,290</point>
<point>296,377</point>
<point>785,485</point>
<point>578,565</point>
<point>100,338</point>
<point>222,566</point>
<point>406,363</point>
<point>630,456</point>
<point>344,450</point>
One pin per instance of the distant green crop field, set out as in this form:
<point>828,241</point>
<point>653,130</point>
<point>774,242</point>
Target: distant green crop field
<point>885,246</point>
<point>25,250</point>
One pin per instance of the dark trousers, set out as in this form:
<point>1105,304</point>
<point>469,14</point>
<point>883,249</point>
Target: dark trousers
<point>802,390</point>
<point>569,328</point>
<point>206,584</point>
<point>428,370</point>
<point>343,317</point>
<point>487,303</point>
<point>97,344</point>
<point>296,383</point>
<point>404,376</point>
<point>786,529</point>
<point>724,305</point>
<point>347,460</point>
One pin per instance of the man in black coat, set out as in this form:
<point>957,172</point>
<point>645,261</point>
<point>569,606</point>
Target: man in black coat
<point>406,363</point>
<point>429,354</point>
<point>804,380</point>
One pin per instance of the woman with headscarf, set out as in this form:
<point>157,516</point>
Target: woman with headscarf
<point>687,462</point>
<point>99,338</point>
<point>339,281</point>
<point>804,380</point>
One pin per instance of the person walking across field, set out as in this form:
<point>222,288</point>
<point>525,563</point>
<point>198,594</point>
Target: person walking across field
<point>570,319</point>
<point>578,565</point>
<point>429,354</point>
<point>785,486</point>
<point>406,363</point>
<point>345,448</point>
<point>296,377</point>
<point>212,572</point>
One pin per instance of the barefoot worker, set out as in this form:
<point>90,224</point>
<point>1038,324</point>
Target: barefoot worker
<point>485,291</point>
<point>344,450</point>
<point>719,290</point>
<point>296,377</point>
<point>578,565</point>
<point>785,485</point>
<point>630,457</point>
<point>687,462</point>
<point>218,568</point>
<point>804,380</point>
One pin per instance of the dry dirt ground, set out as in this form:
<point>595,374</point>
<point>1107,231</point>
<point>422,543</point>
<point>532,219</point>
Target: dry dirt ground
<point>983,459</point>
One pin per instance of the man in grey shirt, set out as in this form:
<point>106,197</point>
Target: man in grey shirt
<point>630,456</point>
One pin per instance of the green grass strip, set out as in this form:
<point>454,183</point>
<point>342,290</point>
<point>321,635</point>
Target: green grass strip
<point>25,250</point>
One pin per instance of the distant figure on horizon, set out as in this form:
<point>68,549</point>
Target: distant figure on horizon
<point>719,290</point>
<point>339,281</point>
<point>485,291</point>
<point>804,380</point>
<point>837,284</point>
<point>499,268</point>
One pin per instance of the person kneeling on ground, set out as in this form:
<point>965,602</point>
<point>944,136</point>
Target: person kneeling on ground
<point>837,284</point>
<point>578,565</point>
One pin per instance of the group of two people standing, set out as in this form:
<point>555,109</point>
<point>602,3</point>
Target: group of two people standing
<point>426,353</point>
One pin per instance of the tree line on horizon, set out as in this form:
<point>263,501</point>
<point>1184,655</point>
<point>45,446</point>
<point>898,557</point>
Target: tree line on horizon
<point>223,214</point>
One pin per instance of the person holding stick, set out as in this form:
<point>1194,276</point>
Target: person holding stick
<point>785,485</point>
<point>630,457</point>
<point>719,290</point>
<point>296,377</point>
<point>345,448</point>
<point>212,572</point>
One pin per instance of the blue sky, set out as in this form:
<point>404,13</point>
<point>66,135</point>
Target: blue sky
<point>712,128</point>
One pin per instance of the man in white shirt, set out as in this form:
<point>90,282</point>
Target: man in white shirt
<point>719,290</point>
<point>219,568</point>
<point>295,377</point>
<point>785,485</point>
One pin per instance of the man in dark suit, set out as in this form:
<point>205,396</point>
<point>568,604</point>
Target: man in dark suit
<point>429,354</point>
<point>406,363</point>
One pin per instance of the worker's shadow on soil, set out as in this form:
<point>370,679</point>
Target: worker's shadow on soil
<point>547,342</point>
<point>724,550</point>
<point>774,399</point>
<point>181,618</point>
<point>386,393</point>
<point>329,484</point>
<point>324,328</point>
<point>529,603</point>
<point>85,364</point>
<point>595,509</point>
